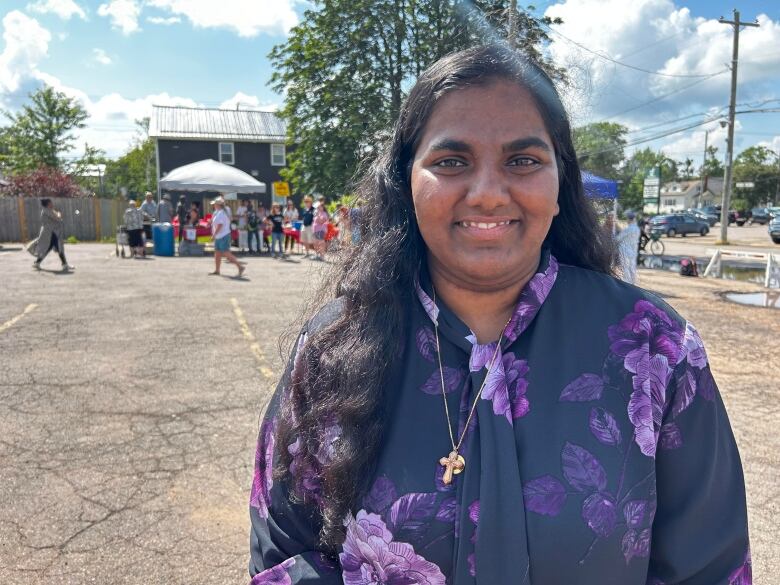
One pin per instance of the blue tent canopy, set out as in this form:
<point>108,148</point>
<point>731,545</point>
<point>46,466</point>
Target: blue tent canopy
<point>598,187</point>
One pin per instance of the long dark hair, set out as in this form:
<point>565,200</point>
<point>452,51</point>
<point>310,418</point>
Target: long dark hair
<point>343,368</point>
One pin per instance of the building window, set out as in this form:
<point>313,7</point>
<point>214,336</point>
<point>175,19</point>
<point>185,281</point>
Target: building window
<point>278,157</point>
<point>226,153</point>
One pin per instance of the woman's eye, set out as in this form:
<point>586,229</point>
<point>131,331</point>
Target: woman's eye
<point>523,161</point>
<point>450,163</point>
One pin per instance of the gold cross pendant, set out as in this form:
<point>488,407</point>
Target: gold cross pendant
<point>453,464</point>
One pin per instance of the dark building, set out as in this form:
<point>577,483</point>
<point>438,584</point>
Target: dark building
<point>252,141</point>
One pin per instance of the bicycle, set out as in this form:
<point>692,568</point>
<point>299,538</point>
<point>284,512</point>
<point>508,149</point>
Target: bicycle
<point>656,245</point>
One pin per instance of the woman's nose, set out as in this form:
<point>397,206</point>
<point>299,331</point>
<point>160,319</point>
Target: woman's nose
<point>488,189</point>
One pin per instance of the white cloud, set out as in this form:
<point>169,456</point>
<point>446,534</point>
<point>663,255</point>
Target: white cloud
<point>248,18</point>
<point>244,101</point>
<point>123,14</point>
<point>65,9</point>
<point>164,21</point>
<point>99,56</point>
<point>26,45</point>
<point>656,36</point>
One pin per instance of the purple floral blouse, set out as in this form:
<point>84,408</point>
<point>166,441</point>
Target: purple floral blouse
<point>600,453</point>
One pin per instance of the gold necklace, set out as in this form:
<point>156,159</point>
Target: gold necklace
<point>454,463</point>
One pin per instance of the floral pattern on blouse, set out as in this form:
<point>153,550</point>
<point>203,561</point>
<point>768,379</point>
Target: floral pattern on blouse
<point>506,384</point>
<point>370,555</point>
<point>260,496</point>
<point>648,346</point>
<point>277,575</point>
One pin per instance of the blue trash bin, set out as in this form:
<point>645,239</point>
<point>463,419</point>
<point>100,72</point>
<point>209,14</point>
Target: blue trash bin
<point>162,238</point>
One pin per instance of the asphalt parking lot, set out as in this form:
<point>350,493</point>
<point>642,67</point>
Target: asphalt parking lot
<point>130,393</point>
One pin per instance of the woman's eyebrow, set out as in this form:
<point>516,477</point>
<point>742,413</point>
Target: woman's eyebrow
<point>450,144</point>
<point>523,143</point>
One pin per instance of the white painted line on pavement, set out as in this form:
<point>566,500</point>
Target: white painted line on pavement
<point>254,346</point>
<point>10,323</point>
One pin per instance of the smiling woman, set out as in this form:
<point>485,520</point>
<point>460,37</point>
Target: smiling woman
<point>479,401</point>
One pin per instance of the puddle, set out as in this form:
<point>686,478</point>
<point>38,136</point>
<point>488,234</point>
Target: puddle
<point>752,274</point>
<point>769,300</point>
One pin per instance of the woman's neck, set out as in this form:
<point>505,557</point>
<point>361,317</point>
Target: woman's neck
<point>485,312</point>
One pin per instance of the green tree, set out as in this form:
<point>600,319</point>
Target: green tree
<point>134,172</point>
<point>757,165</point>
<point>346,68</point>
<point>599,147</point>
<point>712,166</point>
<point>685,169</point>
<point>636,169</point>
<point>86,169</point>
<point>42,131</point>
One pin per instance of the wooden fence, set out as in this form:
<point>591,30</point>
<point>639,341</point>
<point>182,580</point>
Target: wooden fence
<point>20,218</point>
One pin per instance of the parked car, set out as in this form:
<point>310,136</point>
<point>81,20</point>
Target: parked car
<point>759,215</point>
<point>774,229</point>
<point>710,218</point>
<point>678,223</point>
<point>773,212</point>
<point>715,210</point>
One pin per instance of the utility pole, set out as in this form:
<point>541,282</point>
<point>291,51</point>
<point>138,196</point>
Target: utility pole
<point>704,167</point>
<point>513,23</point>
<point>724,212</point>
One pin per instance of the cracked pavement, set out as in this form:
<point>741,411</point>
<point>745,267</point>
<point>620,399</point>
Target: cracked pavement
<point>129,407</point>
<point>130,400</point>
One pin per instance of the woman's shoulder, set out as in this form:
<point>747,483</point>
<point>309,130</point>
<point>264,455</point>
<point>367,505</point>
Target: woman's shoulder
<point>609,296</point>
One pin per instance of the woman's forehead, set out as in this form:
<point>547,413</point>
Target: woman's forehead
<point>497,114</point>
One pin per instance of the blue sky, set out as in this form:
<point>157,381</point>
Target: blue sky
<point>121,56</point>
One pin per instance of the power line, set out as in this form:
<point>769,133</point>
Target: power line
<point>664,96</point>
<point>672,131</point>
<point>616,62</point>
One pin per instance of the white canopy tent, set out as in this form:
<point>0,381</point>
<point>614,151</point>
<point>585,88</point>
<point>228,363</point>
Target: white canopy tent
<point>210,175</point>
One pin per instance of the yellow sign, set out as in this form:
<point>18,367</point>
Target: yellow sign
<point>281,189</point>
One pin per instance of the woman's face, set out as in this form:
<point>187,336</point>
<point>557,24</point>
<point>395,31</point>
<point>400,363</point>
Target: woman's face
<point>485,186</point>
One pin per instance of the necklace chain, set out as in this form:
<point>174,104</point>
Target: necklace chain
<point>456,446</point>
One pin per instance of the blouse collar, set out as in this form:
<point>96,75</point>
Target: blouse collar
<point>531,299</point>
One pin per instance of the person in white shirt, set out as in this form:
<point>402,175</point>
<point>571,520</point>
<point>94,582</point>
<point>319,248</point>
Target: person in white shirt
<point>241,217</point>
<point>627,241</point>
<point>220,235</point>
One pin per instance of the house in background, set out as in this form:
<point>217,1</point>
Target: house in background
<point>252,141</point>
<point>681,195</point>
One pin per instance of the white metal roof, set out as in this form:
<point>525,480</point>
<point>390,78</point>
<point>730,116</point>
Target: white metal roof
<point>215,124</point>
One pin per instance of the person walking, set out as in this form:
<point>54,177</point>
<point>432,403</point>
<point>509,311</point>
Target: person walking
<point>307,229</point>
<point>290,216</point>
<point>165,210</point>
<point>220,235</point>
<point>181,214</point>
<point>627,241</point>
<point>50,236</point>
<point>276,219</point>
<point>321,221</point>
<point>134,224</point>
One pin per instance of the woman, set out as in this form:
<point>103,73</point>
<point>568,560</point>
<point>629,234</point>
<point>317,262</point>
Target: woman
<point>276,219</point>
<point>320,229</point>
<point>220,235</point>
<point>307,227</point>
<point>50,236</point>
<point>588,446</point>
<point>290,216</point>
<point>134,224</point>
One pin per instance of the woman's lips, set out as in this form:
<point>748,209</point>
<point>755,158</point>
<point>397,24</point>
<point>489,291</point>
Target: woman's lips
<point>486,230</point>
